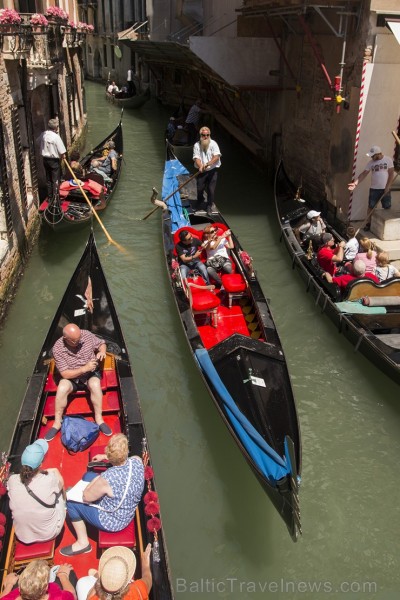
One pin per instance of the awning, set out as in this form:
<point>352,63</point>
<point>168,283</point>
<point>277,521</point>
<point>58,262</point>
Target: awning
<point>394,26</point>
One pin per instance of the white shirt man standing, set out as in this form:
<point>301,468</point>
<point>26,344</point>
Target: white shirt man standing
<point>207,159</point>
<point>382,174</point>
<point>53,151</point>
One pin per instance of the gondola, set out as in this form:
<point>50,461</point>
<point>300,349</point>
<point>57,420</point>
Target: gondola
<point>130,101</point>
<point>368,314</point>
<point>238,351</point>
<point>121,411</point>
<point>70,209</point>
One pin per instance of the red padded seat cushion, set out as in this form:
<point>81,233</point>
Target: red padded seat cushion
<point>32,551</point>
<point>206,300</point>
<point>233,282</point>
<point>108,379</point>
<point>126,537</point>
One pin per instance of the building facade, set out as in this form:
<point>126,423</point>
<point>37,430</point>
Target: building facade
<point>313,83</point>
<point>41,76</point>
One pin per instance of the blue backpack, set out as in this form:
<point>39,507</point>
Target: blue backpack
<point>77,434</point>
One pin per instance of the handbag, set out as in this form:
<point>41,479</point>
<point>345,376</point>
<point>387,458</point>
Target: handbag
<point>216,262</point>
<point>77,434</point>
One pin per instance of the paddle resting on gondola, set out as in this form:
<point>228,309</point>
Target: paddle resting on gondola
<point>70,208</point>
<point>87,303</point>
<point>367,313</point>
<point>234,341</point>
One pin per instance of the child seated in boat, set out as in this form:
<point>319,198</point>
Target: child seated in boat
<point>217,254</point>
<point>352,246</point>
<point>109,500</point>
<point>384,270</point>
<point>367,254</point>
<point>37,499</point>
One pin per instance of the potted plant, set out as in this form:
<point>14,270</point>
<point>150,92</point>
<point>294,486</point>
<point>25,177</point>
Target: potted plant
<point>38,22</point>
<point>56,14</point>
<point>9,16</point>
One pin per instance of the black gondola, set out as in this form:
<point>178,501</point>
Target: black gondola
<point>374,329</point>
<point>70,209</point>
<point>121,411</point>
<point>239,355</point>
<point>129,101</point>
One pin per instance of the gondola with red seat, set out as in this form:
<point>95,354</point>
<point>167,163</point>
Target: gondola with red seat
<point>121,411</point>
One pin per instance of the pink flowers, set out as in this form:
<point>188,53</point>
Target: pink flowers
<point>39,19</point>
<point>57,14</point>
<point>9,16</point>
<point>148,473</point>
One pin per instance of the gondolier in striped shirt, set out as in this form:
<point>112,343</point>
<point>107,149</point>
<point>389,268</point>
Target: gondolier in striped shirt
<point>53,151</point>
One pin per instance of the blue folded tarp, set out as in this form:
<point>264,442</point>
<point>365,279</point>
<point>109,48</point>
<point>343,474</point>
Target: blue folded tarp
<point>271,465</point>
<point>172,170</point>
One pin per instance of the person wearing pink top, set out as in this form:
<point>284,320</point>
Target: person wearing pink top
<point>368,255</point>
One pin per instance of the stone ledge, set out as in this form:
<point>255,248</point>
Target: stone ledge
<point>4,247</point>
<point>385,224</point>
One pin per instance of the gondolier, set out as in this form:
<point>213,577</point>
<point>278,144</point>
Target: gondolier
<point>53,151</point>
<point>382,174</point>
<point>207,158</point>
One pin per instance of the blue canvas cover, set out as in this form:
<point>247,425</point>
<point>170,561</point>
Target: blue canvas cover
<point>271,465</point>
<point>172,169</point>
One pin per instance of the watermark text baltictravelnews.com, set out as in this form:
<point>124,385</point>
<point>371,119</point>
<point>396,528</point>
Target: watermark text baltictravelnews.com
<point>233,585</point>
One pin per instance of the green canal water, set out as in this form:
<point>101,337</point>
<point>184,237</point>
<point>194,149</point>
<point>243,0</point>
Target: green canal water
<point>224,538</point>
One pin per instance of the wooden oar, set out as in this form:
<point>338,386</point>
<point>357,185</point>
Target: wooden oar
<point>108,236</point>
<point>153,198</point>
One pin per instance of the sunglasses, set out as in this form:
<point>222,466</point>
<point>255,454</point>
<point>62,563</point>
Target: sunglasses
<point>188,238</point>
<point>205,135</point>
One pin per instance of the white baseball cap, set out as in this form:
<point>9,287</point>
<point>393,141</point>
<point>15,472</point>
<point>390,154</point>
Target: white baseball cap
<point>312,213</point>
<point>374,150</point>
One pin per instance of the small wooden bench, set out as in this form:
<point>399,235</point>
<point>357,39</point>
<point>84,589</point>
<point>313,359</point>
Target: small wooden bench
<point>20,554</point>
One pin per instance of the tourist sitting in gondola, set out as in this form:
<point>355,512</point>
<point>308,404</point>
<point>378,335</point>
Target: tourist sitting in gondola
<point>34,583</point>
<point>113,88</point>
<point>367,254</point>
<point>216,247</point>
<point>108,162</point>
<point>312,229</point>
<point>95,168</point>
<point>384,270</point>
<point>37,499</point>
<point>352,246</point>
<point>358,271</point>
<point>78,354</point>
<point>114,578</point>
<point>109,500</point>
<point>328,257</point>
<point>189,251</point>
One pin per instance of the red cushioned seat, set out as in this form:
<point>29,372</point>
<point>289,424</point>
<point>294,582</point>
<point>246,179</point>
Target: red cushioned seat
<point>235,286</point>
<point>233,282</point>
<point>126,537</point>
<point>25,552</point>
<point>80,404</point>
<point>204,300</point>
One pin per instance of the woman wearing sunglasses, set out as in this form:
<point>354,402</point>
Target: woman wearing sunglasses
<point>207,159</point>
<point>216,247</point>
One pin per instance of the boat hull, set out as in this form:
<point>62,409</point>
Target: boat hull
<point>354,327</point>
<point>233,355</point>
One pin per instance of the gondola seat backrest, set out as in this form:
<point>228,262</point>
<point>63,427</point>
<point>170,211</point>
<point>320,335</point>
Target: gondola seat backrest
<point>359,288</point>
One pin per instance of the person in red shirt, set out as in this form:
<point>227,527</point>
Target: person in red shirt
<point>358,271</point>
<point>327,255</point>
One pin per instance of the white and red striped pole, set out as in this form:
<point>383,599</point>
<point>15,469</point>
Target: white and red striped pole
<point>361,105</point>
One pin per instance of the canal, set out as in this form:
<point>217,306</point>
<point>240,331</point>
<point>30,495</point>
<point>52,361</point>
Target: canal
<point>224,538</point>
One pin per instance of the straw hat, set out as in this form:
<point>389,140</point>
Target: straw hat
<point>116,568</point>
